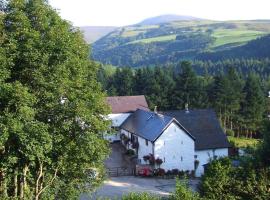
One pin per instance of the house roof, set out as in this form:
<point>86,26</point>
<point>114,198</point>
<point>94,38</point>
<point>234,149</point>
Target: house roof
<point>126,104</point>
<point>148,125</point>
<point>204,126</point>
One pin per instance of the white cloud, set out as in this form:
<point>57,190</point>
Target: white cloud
<point>125,12</point>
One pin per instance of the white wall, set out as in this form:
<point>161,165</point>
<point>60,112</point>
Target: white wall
<point>144,149</point>
<point>177,147</point>
<point>204,156</point>
<point>117,120</point>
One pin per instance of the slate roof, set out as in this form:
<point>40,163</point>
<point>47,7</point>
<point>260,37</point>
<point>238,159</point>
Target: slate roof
<point>203,125</point>
<point>148,125</point>
<point>126,104</point>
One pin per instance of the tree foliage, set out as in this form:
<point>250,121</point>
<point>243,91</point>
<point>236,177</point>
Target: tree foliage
<point>238,99</point>
<point>51,106</point>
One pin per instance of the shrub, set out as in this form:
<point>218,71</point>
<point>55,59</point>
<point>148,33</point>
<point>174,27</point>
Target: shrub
<point>151,159</point>
<point>146,158</point>
<point>159,161</point>
<point>140,196</point>
<point>182,192</point>
<point>130,152</point>
<point>181,174</point>
<point>175,171</point>
<point>160,172</point>
<point>169,172</point>
<point>230,133</point>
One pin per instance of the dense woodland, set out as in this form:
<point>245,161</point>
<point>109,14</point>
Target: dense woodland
<point>240,100</point>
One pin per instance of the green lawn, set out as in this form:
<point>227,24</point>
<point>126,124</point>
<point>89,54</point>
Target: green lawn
<point>155,39</point>
<point>243,142</point>
<point>228,36</point>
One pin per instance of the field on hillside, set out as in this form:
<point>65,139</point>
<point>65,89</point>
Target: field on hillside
<point>227,36</point>
<point>141,45</point>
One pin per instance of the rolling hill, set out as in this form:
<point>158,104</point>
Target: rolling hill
<point>166,19</point>
<point>151,43</point>
<point>93,33</point>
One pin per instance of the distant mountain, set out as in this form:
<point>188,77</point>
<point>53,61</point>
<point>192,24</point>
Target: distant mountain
<point>169,43</point>
<point>93,33</point>
<point>167,18</point>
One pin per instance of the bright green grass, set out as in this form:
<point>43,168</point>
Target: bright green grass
<point>155,39</point>
<point>229,36</point>
<point>131,33</point>
<point>243,142</point>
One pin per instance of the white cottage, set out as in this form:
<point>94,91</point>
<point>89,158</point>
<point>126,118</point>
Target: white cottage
<point>122,107</point>
<point>183,140</point>
<point>210,139</point>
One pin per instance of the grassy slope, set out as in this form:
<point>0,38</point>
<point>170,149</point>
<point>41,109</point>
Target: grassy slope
<point>155,39</point>
<point>241,33</point>
<point>243,142</point>
<point>117,47</point>
<point>227,36</point>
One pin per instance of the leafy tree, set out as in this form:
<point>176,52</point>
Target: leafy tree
<point>51,107</point>
<point>123,81</point>
<point>216,182</point>
<point>160,90</point>
<point>264,149</point>
<point>188,88</point>
<point>253,106</point>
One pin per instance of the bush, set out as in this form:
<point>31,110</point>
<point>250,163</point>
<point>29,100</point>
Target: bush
<point>159,172</point>
<point>146,158</point>
<point>169,172</point>
<point>175,171</point>
<point>181,174</point>
<point>183,192</point>
<point>216,179</point>
<point>159,161</point>
<point>230,133</point>
<point>130,152</point>
<point>151,159</point>
<point>140,196</point>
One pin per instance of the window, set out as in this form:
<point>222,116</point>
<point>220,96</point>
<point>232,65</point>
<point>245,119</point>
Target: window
<point>181,158</point>
<point>164,159</point>
<point>146,142</point>
<point>182,142</point>
<point>195,156</point>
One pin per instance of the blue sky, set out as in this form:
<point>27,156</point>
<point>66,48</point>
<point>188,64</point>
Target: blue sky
<point>126,12</point>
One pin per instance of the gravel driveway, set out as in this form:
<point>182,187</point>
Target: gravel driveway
<point>116,187</point>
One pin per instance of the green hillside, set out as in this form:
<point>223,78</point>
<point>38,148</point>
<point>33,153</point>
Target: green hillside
<point>141,45</point>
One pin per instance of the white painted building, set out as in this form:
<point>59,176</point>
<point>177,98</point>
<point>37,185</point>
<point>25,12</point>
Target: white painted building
<point>182,140</point>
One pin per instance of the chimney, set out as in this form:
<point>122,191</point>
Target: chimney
<point>186,108</point>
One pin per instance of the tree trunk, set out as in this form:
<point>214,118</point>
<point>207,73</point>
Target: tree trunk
<point>40,174</point>
<point>3,184</point>
<point>41,188</point>
<point>23,182</point>
<point>15,183</point>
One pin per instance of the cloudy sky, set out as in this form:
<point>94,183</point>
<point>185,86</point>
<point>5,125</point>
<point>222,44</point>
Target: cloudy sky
<point>125,12</point>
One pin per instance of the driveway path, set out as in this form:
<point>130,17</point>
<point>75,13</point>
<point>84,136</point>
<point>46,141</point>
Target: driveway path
<point>116,187</point>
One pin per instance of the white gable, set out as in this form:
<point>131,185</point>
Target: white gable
<point>176,148</point>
